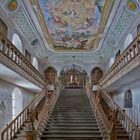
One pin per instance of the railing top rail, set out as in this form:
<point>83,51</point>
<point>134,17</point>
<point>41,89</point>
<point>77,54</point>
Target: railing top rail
<point>119,108</point>
<point>123,53</point>
<point>13,46</point>
<point>107,128</point>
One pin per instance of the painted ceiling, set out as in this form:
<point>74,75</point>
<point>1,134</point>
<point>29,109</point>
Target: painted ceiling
<point>72,25</point>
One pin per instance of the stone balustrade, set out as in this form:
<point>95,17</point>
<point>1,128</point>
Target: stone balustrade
<point>8,50</point>
<point>125,59</point>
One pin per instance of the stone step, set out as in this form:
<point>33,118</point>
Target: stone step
<point>71,132</point>
<point>72,114</point>
<point>72,124</point>
<point>72,136</point>
<point>71,121</point>
<point>72,128</point>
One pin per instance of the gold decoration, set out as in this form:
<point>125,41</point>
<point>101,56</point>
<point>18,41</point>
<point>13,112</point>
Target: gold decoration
<point>12,5</point>
<point>132,5</point>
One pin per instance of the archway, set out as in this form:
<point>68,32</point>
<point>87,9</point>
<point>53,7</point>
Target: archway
<point>127,41</point>
<point>16,102</point>
<point>96,74</point>
<point>51,75</point>
<point>35,63</point>
<point>17,42</point>
<point>73,76</point>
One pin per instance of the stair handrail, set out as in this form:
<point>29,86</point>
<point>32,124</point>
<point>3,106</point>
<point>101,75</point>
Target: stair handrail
<point>130,126</point>
<point>10,51</point>
<point>105,125</point>
<point>15,125</point>
<point>129,54</point>
<point>43,121</point>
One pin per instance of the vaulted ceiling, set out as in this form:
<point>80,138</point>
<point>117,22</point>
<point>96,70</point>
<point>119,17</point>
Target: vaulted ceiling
<point>73,25</point>
<point>85,30</point>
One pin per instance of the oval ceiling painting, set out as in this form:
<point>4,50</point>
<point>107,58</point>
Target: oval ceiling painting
<point>73,25</point>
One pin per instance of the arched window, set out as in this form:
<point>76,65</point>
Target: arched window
<point>127,41</point>
<point>17,42</point>
<point>16,102</point>
<point>128,99</point>
<point>35,63</point>
<point>111,62</point>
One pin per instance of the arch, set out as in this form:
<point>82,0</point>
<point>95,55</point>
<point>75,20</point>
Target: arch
<point>111,62</point>
<point>127,41</point>
<point>73,76</point>
<point>96,74</point>
<point>51,75</point>
<point>72,66</point>
<point>128,99</point>
<point>17,42</point>
<point>35,63</point>
<point>16,102</point>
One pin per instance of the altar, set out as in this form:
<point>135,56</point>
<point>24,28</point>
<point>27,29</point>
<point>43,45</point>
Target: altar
<point>73,79</point>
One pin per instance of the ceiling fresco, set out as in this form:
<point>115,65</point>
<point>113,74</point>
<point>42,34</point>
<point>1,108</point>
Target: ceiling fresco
<point>72,25</point>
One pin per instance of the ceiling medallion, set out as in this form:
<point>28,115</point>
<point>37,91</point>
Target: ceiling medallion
<point>132,5</point>
<point>12,5</point>
<point>2,106</point>
<point>34,42</point>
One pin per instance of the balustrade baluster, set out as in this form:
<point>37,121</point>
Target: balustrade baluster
<point>11,53</point>
<point>11,132</point>
<point>8,50</point>
<point>14,129</point>
<point>15,59</point>
<point>3,46</point>
<point>134,50</point>
<point>17,124</point>
<point>19,60</point>
<point>128,57</point>
<point>7,132</point>
<point>131,53</point>
<point>124,57</point>
<point>20,120</point>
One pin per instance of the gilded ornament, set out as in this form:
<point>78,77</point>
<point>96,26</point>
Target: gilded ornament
<point>12,5</point>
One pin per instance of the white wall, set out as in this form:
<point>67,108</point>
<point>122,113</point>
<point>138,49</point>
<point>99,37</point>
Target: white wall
<point>6,90</point>
<point>133,112</point>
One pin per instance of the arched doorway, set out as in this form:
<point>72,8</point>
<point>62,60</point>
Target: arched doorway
<point>16,102</point>
<point>51,75</point>
<point>96,74</point>
<point>73,77</point>
<point>17,42</point>
<point>35,63</point>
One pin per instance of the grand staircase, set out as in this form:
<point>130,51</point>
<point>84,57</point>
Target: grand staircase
<point>72,118</point>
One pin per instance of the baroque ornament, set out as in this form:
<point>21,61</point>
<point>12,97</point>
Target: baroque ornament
<point>12,5</point>
<point>132,5</point>
<point>2,106</point>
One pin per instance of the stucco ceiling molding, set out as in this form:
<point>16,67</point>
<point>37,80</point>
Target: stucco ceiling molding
<point>21,21</point>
